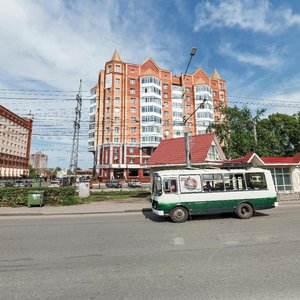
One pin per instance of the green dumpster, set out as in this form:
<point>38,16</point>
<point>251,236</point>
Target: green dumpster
<point>35,198</point>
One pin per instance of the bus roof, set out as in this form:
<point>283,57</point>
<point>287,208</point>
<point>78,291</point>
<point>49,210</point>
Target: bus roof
<point>206,171</point>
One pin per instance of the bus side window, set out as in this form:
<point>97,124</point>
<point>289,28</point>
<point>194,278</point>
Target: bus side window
<point>173,186</point>
<point>256,181</point>
<point>170,186</point>
<point>239,182</point>
<point>234,182</point>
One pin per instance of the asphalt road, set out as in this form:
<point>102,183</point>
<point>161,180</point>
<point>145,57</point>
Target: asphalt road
<point>141,256</point>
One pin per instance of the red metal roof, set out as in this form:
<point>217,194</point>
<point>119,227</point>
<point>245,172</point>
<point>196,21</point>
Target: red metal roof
<point>244,159</point>
<point>297,157</point>
<point>266,160</point>
<point>277,160</point>
<point>172,151</point>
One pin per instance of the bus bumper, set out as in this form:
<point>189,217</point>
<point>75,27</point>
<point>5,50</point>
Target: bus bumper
<point>158,212</point>
<point>275,204</point>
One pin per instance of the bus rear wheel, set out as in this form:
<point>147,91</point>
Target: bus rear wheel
<point>244,211</point>
<point>179,214</point>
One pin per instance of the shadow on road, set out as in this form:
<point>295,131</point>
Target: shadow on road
<point>153,217</point>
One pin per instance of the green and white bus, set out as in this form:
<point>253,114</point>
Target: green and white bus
<point>182,193</point>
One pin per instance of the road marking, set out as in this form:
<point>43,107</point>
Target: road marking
<point>179,241</point>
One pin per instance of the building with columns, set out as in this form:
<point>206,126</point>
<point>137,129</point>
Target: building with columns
<point>135,106</point>
<point>15,141</point>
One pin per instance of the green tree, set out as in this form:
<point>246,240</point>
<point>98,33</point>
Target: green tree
<point>237,133</point>
<point>32,172</point>
<point>279,135</point>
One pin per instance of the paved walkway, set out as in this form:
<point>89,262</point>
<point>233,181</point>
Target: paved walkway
<point>91,208</point>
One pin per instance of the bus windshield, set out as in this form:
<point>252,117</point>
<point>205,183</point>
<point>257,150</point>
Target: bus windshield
<point>157,186</point>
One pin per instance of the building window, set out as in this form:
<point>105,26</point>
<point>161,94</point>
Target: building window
<point>116,140</point>
<point>133,129</point>
<point>187,107</point>
<point>133,120</point>
<point>166,122</point>
<point>133,172</point>
<point>117,130</point>
<point>118,80</point>
<point>107,110</point>
<point>166,113</point>
<point>132,81</point>
<point>187,90</point>
<point>220,85</point>
<point>117,119</point>
<point>281,178</point>
<point>146,173</point>
<point>165,95</point>
<point>165,86</point>
<point>108,69</point>
<point>131,150</point>
<point>133,109</point>
<point>133,140</point>
<point>190,125</point>
<point>131,160</point>
<point>212,153</point>
<point>166,104</point>
<point>215,93</point>
<point>188,98</point>
<point>118,90</point>
<point>133,101</point>
<point>108,101</point>
<point>132,91</point>
<point>132,71</point>
<point>118,68</point>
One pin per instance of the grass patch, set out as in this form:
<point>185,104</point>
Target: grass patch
<point>112,195</point>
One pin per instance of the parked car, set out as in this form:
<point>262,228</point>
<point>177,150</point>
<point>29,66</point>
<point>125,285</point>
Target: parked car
<point>89,182</point>
<point>23,183</point>
<point>6,184</point>
<point>113,184</point>
<point>55,183</point>
<point>134,183</point>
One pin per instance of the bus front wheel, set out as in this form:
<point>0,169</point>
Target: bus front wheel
<point>179,214</point>
<point>244,211</point>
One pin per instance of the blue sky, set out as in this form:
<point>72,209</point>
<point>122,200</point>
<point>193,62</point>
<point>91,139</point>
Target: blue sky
<point>47,46</point>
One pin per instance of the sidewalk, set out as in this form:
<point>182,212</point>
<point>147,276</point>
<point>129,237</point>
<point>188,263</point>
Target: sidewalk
<point>101,207</point>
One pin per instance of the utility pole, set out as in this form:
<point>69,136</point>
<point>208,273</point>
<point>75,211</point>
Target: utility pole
<point>74,154</point>
<point>184,118</point>
<point>254,133</point>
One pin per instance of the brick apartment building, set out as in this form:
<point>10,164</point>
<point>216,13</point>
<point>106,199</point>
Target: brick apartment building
<point>39,161</point>
<point>133,107</point>
<point>15,141</point>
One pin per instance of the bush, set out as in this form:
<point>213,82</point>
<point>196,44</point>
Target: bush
<point>13,197</point>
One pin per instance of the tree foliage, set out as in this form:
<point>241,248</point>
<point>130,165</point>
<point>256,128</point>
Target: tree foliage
<point>241,132</point>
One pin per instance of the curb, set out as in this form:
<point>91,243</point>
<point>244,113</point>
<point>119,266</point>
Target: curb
<point>74,213</point>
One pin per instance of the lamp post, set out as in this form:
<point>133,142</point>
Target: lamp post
<point>186,132</point>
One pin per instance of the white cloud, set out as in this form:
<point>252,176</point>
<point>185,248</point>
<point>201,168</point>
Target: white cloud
<point>52,44</point>
<point>269,60</point>
<point>58,45</point>
<point>254,15</point>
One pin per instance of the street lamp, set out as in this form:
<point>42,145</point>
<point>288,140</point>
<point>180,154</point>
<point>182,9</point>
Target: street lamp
<point>186,133</point>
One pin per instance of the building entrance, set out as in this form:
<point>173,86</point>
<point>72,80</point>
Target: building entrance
<point>119,174</point>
